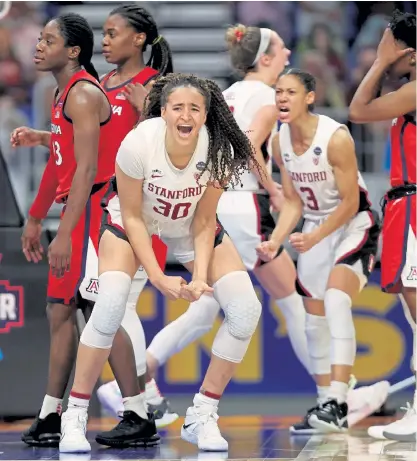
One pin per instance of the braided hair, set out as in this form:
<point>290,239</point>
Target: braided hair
<point>77,32</point>
<point>403,26</point>
<point>225,136</point>
<point>142,21</point>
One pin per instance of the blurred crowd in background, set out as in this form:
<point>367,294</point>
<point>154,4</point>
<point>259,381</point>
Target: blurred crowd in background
<point>335,41</point>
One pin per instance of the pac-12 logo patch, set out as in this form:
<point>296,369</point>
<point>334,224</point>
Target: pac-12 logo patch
<point>92,286</point>
<point>11,306</point>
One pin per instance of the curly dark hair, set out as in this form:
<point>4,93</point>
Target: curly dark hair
<point>403,26</point>
<point>225,136</point>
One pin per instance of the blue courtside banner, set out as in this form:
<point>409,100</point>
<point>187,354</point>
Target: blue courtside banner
<point>383,338</point>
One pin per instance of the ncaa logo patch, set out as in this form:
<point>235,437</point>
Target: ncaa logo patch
<point>11,306</point>
<point>317,150</point>
<point>200,166</point>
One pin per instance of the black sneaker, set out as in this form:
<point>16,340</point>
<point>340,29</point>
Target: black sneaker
<point>44,432</point>
<point>330,417</point>
<point>132,431</point>
<point>163,414</point>
<point>303,427</point>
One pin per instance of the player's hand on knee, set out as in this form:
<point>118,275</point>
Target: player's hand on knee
<point>25,137</point>
<point>170,286</point>
<point>31,240</point>
<point>267,251</point>
<point>59,255</point>
<point>302,242</point>
<point>194,290</point>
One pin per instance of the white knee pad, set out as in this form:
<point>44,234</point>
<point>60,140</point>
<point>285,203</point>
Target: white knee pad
<point>133,326</point>
<point>108,311</point>
<point>242,309</point>
<point>338,307</point>
<point>318,342</point>
<point>194,323</point>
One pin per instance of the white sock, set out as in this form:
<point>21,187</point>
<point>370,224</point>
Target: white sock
<point>153,395</point>
<point>194,323</point>
<point>338,391</point>
<point>136,404</point>
<point>292,309</point>
<point>78,401</point>
<point>201,399</point>
<point>50,405</point>
<point>133,326</point>
<point>322,394</point>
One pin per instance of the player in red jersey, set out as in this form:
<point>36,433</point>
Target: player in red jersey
<point>76,176</point>
<point>396,56</point>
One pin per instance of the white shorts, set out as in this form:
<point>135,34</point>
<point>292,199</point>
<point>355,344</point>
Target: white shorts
<point>247,220</point>
<point>354,245</point>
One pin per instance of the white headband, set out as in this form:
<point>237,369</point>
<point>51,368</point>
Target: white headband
<point>263,44</point>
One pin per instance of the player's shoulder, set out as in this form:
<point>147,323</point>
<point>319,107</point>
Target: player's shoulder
<point>149,128</point>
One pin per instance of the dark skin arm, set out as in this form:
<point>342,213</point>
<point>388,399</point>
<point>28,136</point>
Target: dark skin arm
<point>365,106</point>
<point>84,106</point>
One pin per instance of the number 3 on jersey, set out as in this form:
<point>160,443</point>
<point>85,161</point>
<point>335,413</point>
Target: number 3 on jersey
<point>310,198</point>
<point>57,152</point>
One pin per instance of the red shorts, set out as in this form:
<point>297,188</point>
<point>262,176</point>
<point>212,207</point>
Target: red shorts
<point>399,248</point>
<point>84,238</point>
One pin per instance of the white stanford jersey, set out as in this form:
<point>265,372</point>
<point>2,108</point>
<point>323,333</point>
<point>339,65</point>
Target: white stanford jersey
<point>170,195</point>
<point>311,173</point>
<point>245,99</point>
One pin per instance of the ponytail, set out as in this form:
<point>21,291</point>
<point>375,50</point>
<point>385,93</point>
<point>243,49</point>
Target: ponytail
<point>161,56</point>
<point>89,67</point>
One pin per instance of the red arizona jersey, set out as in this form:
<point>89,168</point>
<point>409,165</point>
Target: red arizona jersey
<point>403,151</point>
<point>124,116</point>
<point>62,141</point>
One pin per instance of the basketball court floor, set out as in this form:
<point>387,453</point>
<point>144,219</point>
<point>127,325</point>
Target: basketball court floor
<point>250,438</point>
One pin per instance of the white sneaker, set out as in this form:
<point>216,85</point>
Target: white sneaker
<point>111,398</point>
<point>364,401</point>
<point>401,427</point>
<point>200,428</point>
<point>73,430</point>
<point>404,430</point>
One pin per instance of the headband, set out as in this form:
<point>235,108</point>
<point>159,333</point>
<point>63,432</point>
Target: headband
<point>263,44</point>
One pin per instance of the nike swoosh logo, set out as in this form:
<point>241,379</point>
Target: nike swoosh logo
<point>186,426</point>
<point>155,176</point>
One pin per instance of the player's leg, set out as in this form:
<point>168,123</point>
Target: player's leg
<point>61,294</point>
<point>234,292</point>
<point>354,253</point>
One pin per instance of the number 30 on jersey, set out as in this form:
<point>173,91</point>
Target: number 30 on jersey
<point>57,152</point>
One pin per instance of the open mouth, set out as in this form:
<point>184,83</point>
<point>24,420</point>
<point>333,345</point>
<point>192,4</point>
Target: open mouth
<point>285,110</point>
<point>184,130</point>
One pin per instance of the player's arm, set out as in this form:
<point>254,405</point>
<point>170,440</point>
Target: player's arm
<point>83,107</point>
<point>46,192</point>
<point>204,231</point>
<point>342,157</point>
<point>366,107</point>
<point>130,177</point>
<point>292,208</point>
<point>258,131</point>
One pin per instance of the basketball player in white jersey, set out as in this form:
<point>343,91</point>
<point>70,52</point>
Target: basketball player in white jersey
<point>338,242</point>
<point>171,171</point>
<point>260,55</point>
